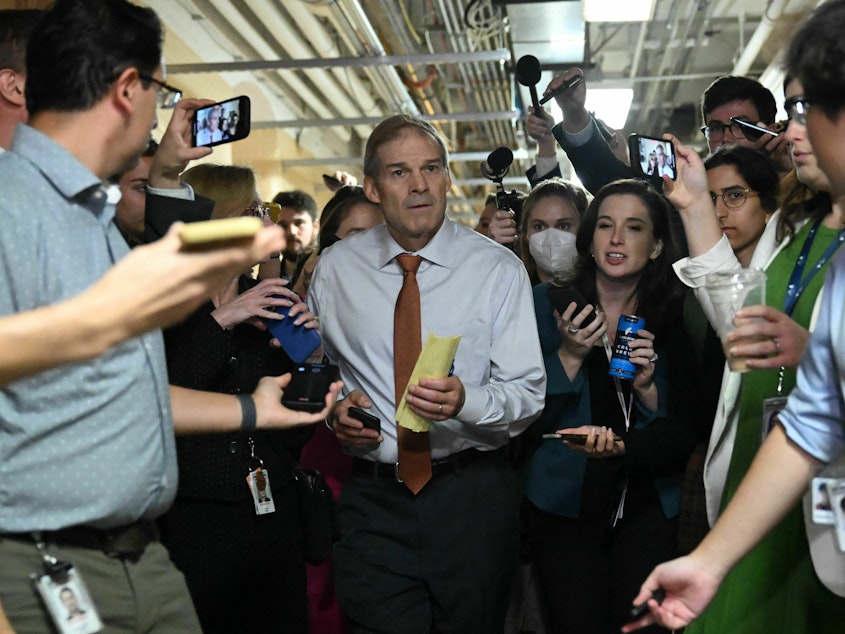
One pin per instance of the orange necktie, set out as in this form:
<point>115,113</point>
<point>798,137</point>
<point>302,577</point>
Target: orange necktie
<point>414,449</point>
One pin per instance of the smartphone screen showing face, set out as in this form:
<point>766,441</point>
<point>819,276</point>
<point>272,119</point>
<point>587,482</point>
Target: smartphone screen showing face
<point>222,122</point>
<point>651,156</point>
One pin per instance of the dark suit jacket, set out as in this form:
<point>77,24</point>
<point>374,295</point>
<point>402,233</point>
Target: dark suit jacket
<point>162,211</point>
<point>201,355</point>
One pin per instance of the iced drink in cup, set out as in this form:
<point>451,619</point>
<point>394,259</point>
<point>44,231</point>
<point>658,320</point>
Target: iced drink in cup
<point>729,292</point>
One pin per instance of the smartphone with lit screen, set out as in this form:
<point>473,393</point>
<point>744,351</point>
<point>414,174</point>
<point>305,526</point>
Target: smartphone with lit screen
<point>222,122</point>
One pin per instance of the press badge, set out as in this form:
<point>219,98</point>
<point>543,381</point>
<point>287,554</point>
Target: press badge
<point>822,505</point>
<point>837,503</point>
<point>771,408</point>
<point>67,600</point>
<point>258,481</point>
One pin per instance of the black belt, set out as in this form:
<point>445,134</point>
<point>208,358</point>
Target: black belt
<point>441,466</point>
<point>122,542</point>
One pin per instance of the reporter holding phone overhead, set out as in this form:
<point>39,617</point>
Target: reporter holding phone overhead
<point>428,544</point>
<point>239,542</point>
<point>602,512</point>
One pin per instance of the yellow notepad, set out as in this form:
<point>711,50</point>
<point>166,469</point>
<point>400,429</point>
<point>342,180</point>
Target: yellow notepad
<point>435,361</point>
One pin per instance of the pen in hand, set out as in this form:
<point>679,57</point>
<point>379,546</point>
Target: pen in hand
<point>569,83</point>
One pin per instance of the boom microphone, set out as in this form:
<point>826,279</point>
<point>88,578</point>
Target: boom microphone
<point>528,74</point>
<point>497,164</point>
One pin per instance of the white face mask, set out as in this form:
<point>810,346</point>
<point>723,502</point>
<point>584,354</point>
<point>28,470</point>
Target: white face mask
<point>554,251</point>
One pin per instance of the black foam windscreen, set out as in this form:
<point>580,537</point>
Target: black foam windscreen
<point>499,159</point>
<point>528,70</point>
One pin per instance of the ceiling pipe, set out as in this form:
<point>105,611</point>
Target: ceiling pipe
<point>504,115</point>
<point>326,47</point>
<point>497,55</point>
<point>454,157</point>
<point>239,38</point>
<point>395,95</point>
<point>287,37</point>
<point>493,76</point>
<point>696,25</point>
<point>771,15</point>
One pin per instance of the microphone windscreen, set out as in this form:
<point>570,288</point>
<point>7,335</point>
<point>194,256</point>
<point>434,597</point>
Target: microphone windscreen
<point>528,70</point>
<point>499,159</point>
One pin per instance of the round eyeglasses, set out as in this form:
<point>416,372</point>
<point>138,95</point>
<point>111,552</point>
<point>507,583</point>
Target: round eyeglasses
<point>733,197</point>
<point>796,109</point>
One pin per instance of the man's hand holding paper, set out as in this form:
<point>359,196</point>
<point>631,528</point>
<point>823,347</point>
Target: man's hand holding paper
<point>432,394</point>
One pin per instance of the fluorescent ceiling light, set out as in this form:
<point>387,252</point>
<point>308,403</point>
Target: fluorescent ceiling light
<point>617,10</point>
<point>611,105</point>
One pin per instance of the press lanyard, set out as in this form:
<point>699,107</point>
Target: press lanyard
<point>796,284</point>
<point>626,411</point>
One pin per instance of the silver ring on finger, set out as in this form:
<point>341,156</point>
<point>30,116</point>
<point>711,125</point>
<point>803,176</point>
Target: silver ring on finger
<point>654,358</point>
<point>777,346</point>
<point>572,329</point>
<point>440,409</point>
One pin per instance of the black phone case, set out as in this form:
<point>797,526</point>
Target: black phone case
<point>308,386</point>
<point>634,153</point>
<point>562,296</point>
<point>244,121</point>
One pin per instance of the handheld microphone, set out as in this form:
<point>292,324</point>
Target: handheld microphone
<point>528,74</point>
<point>497,164</point>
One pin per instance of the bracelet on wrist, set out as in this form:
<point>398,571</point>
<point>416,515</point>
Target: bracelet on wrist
<point>249,416</point>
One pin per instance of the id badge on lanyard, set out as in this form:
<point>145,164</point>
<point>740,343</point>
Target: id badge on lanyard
<point>65,595</point>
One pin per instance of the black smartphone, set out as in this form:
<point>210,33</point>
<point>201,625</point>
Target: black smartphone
<point>331,182</point>
<point>752,132</point>
<point>562,296</point>
<point>651,156</point>
<point>221,122</point>
<point>369,421</point>
<point>309,385</point>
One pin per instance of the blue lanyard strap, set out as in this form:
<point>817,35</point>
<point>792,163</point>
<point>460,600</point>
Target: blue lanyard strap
<point>796,284</point>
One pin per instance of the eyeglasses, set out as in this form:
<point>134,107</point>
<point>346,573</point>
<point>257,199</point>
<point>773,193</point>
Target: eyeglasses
<point>167,96</point>
<point>796,109</point>
<point>715,130</point>
<point>733,197</point>
<point>261,210</point>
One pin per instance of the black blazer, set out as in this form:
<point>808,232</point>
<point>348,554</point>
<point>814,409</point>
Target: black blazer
<point>201,355</point>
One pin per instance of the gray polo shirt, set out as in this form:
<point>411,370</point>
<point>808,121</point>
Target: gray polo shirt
<point>86,443</point>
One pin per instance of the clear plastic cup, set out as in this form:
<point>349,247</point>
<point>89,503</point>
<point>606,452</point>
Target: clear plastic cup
<point>730,291</point>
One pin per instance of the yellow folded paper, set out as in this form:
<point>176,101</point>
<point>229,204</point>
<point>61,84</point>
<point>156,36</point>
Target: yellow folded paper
<point>435,361</point>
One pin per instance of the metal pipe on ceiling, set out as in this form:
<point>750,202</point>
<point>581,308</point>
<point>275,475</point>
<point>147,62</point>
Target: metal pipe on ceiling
<point>288,38</point>
<point>465,117</point>
<point>325,47</point>
<point>771,15</point>
<point>696,25</point>
<point>230,21</point>
<point>454,157</point>
<point>498,55</point>
<point>394,93</point>
<point>653,96</point>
